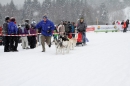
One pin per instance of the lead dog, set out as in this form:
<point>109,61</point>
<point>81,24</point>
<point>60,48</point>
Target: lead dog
<point>62,45</point>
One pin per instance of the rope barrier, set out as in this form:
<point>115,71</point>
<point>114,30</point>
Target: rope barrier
<point>33,34</point>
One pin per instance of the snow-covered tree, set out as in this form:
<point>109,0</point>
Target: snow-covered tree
<point>103,14</point>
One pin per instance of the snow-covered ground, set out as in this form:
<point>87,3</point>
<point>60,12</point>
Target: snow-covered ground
<point>105,61</point>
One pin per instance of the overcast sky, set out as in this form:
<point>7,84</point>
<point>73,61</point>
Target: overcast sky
<point>17,2</point>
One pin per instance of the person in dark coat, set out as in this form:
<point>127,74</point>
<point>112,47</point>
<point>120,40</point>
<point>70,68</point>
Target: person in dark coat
<point>127,24</point>
<point>66,27</point>
<point>69,26</point>
<point>122,23</point>
<point>19,28</point>
<point>81,27</point>
<point>5,32</point>
<point>32,39</point>
<point>73,29</point>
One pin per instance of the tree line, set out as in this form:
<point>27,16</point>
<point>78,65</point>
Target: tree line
<point>56,10</point>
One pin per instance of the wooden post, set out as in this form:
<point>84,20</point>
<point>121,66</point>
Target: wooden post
<point>97,20</point>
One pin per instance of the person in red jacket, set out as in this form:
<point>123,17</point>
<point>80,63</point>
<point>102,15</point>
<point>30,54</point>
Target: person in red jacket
<point>124,26</point>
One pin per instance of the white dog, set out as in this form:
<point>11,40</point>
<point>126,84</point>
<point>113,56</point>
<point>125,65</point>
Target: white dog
<point>73,42</point>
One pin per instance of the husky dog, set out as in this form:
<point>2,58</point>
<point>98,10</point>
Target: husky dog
<point>73,42</point>
<point>62,45</point>
<point>59,45</point>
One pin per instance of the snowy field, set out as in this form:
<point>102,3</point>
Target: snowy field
<point>105,61</point>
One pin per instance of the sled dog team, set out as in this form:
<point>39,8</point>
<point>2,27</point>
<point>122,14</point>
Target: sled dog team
<point>64,45</point>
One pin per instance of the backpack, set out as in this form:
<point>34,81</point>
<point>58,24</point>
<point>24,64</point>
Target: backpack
<point>124,26</point>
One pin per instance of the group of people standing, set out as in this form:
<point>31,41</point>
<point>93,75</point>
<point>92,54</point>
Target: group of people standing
<point>125,24</point>
<point>65,28</point>
<point>45,27</point>
<point>10,28</point>
<point>28,32</point>
<point>69,29</point>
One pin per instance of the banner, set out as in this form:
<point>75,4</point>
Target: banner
<point>90,28</point>
<point>108,28</point>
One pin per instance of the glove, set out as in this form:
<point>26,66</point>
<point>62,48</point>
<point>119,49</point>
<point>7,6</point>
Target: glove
<point>78,30</point>
<point>83,30</point>
<point>49,31</point>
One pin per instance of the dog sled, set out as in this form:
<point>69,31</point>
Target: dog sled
<point>79,39</point>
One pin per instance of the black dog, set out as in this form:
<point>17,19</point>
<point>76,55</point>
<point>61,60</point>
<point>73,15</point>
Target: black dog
<point>64,38</point>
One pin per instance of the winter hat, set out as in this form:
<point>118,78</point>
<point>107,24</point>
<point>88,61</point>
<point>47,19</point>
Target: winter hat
<point>27,20</point>
<point>12,19</point>
<point>45,16</point>
<point>19,26</point>
<point>81,18</point>
<point>33,22</point>
<point>7,18</point>
<point>61,22</point>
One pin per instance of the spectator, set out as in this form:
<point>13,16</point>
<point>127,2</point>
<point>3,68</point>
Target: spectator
<point>5,33</point>
<point>13,30</point>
